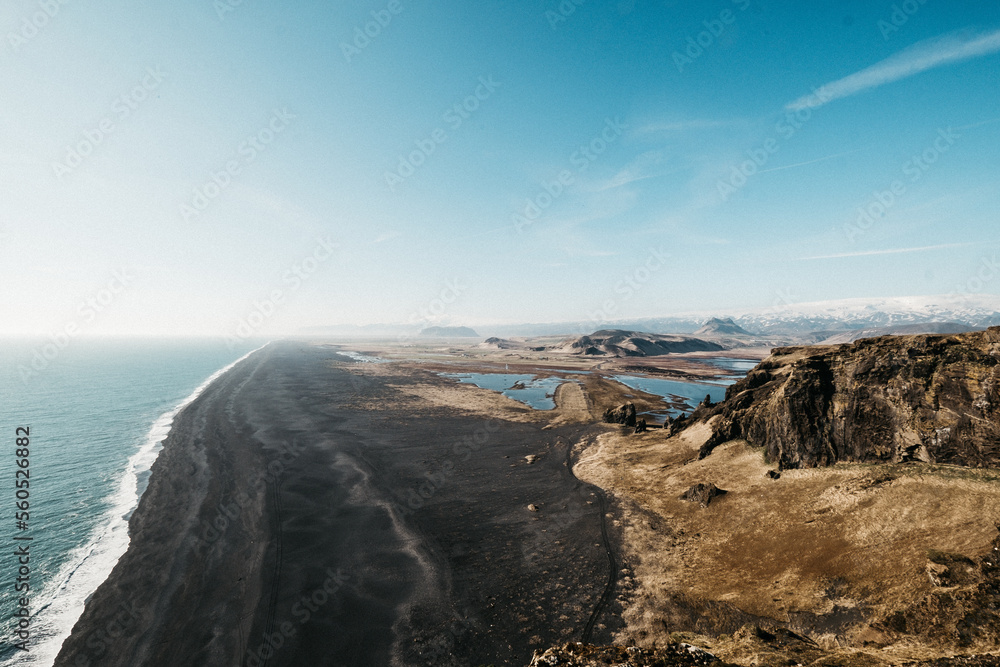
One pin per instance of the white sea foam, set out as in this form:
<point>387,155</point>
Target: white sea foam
<point>89,565</point>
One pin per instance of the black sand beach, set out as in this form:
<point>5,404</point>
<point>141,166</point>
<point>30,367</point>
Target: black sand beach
<point>286,524</point>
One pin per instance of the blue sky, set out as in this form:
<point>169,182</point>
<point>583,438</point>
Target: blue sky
<point>177,168</point>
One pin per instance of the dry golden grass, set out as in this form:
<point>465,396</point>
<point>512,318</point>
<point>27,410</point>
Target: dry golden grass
<point>846,536</point>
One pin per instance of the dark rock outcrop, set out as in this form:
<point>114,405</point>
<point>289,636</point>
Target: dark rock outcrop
<point>777,637</point>
<point>623,414</point>
<point>640,426</point>
<point>896,398</point>
<point>619,343</point>
<point>674,426</point>
<point>703,494</point>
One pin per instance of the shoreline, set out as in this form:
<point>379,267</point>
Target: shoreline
<point>224,572</point>
<point>107,619</point>
<point>91,563</point>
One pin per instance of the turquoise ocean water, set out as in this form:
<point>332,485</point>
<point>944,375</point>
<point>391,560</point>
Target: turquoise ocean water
<point>97,411</point>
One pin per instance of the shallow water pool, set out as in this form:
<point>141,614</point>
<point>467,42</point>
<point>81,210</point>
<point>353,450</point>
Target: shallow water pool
<point>680,397</point>
<point>534,392</point>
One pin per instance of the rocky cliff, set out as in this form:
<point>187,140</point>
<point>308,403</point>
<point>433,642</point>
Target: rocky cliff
<point>932,398</point>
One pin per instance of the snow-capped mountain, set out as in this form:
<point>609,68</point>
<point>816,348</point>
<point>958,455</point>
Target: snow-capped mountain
<point>976,311</point>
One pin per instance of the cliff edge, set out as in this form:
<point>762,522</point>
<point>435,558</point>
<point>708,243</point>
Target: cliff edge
<point>931,398</point>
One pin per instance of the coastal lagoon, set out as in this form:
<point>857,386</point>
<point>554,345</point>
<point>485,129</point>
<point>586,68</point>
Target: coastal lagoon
<point>528,389</point>
<point>732,365</point>
<point>681,397</point>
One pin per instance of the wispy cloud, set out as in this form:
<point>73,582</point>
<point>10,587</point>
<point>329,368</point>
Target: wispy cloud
<point>589,252</point>
<point>387,236</point>
<point>891,251</point>
<point>700,239</point>
<point>979,124</point>
<point>928,54</point>
<point>639,169</point>
<point>684,125</point>
<point>802,164</point>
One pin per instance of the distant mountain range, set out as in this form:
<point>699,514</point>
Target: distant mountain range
<point>977,312</point>
<point>973,311</point>
<point>448,332</point>
<point>899,330</point>
<point>830,317</point>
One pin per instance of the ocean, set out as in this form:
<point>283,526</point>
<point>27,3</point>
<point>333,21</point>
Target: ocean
<point>95,412</point>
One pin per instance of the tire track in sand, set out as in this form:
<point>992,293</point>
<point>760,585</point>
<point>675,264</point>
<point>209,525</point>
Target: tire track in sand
<point>609,586</point>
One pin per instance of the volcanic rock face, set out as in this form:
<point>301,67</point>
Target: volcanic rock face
<point>895,398</point>
<point>703,494</point>
<point>623,414</point>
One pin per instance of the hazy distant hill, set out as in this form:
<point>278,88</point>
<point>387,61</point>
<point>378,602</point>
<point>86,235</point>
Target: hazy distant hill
<point>721,327</point>
<point>506,344</point>
<point>619,343</point>
<point>448,332</point>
